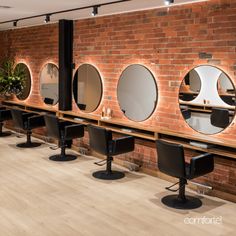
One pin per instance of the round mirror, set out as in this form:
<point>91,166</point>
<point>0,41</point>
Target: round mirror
<point>87,88</point>
<point>137,92</point>
<point>49,84</point>
<point>212,110</point>
<point>190,86</point>
<point>23,90</point>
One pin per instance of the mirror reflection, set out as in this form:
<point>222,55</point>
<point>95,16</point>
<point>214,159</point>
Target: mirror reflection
<point>190,86</point>
<point>213,109</point>
<point>25,91</point>
<point>49,77</point>
<point>225,89</point>
<point>137,92</point>
<point>87,88</point>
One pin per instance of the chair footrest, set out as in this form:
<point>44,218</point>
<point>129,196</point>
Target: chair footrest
<point>101,163</point>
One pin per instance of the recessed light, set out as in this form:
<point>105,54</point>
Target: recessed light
<point>5,7</point>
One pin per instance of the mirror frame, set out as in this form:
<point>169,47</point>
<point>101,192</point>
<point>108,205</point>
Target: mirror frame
<point>156,88</point>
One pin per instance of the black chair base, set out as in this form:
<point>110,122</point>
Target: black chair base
<point>5,134</point>
<point>103,174</point>
<point>62,157</point>
<point>28,145</point>
<point>174,202</point>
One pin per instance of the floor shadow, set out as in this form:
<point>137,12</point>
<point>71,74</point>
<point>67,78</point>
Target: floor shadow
<point>129,176</point>
<point>208,203</point>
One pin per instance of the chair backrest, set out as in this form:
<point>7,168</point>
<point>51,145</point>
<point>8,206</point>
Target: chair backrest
<point>171,159</point>
<point>99,139</point>
<point>52,126</point>
<point>220,117</point>
<point>48,101</point>
<point>17,117</point>
<point>228,99</point>
<point>187,97</point>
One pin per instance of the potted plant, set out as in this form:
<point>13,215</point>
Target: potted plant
<point>12,78</point>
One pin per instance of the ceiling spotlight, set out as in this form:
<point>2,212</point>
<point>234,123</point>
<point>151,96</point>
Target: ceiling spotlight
<point>95,10</point>
<point>47,19</point>
<point>168,2</point>
<point>15,23</point>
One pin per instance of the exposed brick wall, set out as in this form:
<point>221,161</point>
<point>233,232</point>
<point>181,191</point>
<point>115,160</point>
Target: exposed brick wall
<point>168,42</point>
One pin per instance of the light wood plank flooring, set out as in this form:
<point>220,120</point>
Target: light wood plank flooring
<point>39,197</point>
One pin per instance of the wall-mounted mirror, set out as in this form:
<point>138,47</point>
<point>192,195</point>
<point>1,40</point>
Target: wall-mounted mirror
<point>49,84</point>
<point>24,71</point>
<point>137,92</point>
<point>87,88</point>
<point>190,86</point>
<point>213,109</point>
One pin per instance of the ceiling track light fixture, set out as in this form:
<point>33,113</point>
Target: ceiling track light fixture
<point>168,2</point>
<point>48,15</point>
<point>47,18</point>
<point>95,10</point>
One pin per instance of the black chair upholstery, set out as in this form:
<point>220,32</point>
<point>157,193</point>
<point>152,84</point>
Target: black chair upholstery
<point>187,97</point>
<point>171,161</point>
<point>220,117</point>
<point>48,101</point>
<point>26,122</point>
<point>63,131</point>
<point>230,100</point>
<point>101,142</point>
<point>186,113</point>
<point>5,115</point>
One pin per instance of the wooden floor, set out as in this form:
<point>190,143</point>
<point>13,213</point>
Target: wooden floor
<point>39,197</point>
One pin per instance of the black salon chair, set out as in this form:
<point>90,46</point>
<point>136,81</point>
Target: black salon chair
<point>230,100</point>
<point>5,115</point>
<point>220,117</point>
<point>101,142</point>
<point>48,101</point>
<point>27,121</point>
<point>186,113</point>
<point>63,131</point>
<point>171,161</point>
<point>187,97</point>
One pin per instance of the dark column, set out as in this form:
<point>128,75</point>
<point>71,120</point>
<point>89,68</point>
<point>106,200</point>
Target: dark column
<point>65,64</point>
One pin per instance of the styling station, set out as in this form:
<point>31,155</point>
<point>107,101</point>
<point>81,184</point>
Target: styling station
<point>118,117</point>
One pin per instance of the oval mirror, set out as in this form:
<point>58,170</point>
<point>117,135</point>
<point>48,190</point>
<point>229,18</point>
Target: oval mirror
<point>23,90</point>
<point>137,92</point>
<point>49,77</point>
<point>213,109</point>
<point>87,88</point>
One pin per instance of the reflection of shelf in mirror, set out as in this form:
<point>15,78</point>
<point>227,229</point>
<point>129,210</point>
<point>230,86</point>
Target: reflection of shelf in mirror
<point>205,106</point>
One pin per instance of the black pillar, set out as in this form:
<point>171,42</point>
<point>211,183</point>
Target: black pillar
<point>65,64</point>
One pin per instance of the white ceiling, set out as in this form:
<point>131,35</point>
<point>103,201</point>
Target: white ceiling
<point>27,8</point>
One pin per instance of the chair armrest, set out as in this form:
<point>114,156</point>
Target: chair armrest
<point>121,145</point>
<point>36,121</point>
<point>201,165</point>
<point>74,131</point>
